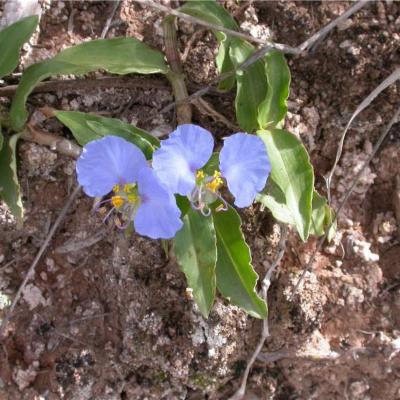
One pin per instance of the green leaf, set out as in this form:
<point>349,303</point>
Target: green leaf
<point>11,40</point>
<point>117,56</point>
<point>236,278</point>
<point>10,190</point>
<point>273,109</point>
<point>274,199</point>
<point>322,215</point>
<point>251,85</point>
<point>212,12</point>
<point>88,127</point>
<point>212,164</point>
<point>196,252</point>
<point>293,173</point>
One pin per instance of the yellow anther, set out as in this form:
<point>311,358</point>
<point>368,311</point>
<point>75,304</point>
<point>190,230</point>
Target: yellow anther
<point>200,174</point>
<point>132,197</point>
<point>117,201</point>
<point>217,174</point>
<point>127,187</point>
<point>215,184</point>
<point>116,188</point>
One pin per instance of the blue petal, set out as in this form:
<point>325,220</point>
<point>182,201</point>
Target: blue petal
<point>107,162</point>
<point>245,165</point>
<point>186,150</point>
<point>158,216</point>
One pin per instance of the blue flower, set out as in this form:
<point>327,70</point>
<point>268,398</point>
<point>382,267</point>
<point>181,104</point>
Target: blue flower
<point>114,164</point>
<point>244,165</point>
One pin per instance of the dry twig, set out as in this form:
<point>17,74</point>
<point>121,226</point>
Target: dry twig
<point>299,50</point>
<point>265,327</point>
<point>393,77</point>
<point>55,142</point>
<point>230,32</point>
<point>31,269</point>
<point>349,191</point>
<point>109,19</point>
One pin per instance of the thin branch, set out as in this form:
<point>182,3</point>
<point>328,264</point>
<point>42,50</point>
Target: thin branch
<point>230,32</point>
<point>109,19</point>
<point>306,45</point>
<point>265,327</point>
<point>393,77</point>
<point>349,191</point>
<point>55,142</point>
<point>31,269</point>
<point>175,75</point>
<point>258,54</point>
<point>83,85</point>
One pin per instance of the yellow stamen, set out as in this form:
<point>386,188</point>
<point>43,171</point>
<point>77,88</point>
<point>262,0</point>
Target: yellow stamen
<point>117,201</point>
<point>132,197</point>
<point>116,188</point>
<point>216,183</point>
<point>217,174</point>
<point>200,174</point>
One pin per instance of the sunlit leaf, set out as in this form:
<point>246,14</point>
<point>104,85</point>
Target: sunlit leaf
<point>88,127</point>
<point>118,56</point>
<point>9,187</point>
<point>11,40</point>
<point>251,85</point>
<point>274,199</point>
<point>236,278</point>
<point>293,173</point>
<point>214,13</point>
<point>273,109</point>
<point>195,250</point>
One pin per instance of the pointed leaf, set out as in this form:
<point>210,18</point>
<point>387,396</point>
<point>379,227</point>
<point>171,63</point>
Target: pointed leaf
<point>88,127</point>
<point>273,109</point>
<point>236,278</point>
<point>293,173</point>
<point>11,40</point>
<point>195,249</point>
<point>10,190</point>
<point>214,13</point>
<point>251,85</point>
<point>118,56</point>
<point>274,199</point>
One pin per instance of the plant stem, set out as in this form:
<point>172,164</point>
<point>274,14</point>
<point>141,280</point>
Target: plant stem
<point>175,75</point>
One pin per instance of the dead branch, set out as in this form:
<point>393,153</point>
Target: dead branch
<point>31,270</point>
<point>109,19</point>
<point>258,54</point>
<point>349,191</point>
<point>83,85</point>
<point>393,77</point>
<point>175,75</point>
<point>55,142</point>
<point>170,11</point>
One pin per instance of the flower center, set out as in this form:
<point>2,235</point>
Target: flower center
<point>212,183</point>
<point>206,192</point>
<point>127,195</point>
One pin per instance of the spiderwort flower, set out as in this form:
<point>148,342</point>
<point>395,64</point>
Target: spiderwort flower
<point>114,164</point>
<point>243,162</point>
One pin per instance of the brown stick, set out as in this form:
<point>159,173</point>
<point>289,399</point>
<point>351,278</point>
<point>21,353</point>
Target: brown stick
<point>175,75</point>
<point>31,269</point>
<point>55,142</point>
<point>129,82</point>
